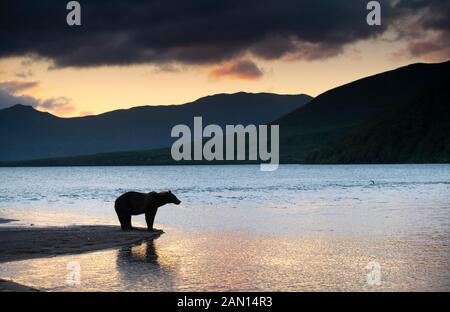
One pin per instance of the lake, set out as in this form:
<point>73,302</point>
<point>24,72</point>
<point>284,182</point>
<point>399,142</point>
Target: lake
<point>319,227</point>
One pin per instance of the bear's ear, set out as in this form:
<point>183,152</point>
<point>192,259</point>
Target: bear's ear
<point>169,191</point>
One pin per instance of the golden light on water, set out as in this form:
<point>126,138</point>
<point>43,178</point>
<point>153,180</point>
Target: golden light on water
<point>231,261</point>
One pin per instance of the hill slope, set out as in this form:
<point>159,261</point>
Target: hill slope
<point>333,113</point>
<point>408,133</point>
<point>29,134</point>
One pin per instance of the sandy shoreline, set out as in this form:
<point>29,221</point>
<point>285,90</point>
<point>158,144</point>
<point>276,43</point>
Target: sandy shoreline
<point>8,286</point>
<point>30,243</point>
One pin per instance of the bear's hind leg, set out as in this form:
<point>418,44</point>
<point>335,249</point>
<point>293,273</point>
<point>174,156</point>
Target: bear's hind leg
<point>128,225</point>
<point>125,220</point>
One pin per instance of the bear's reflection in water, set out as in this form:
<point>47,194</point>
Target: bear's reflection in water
<point>139,264</point>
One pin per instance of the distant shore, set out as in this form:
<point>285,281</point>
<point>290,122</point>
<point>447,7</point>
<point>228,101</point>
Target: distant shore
<point>25,243</point>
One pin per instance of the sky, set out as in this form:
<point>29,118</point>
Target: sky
<point>133,53</point>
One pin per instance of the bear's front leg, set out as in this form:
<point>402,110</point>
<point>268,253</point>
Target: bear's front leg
<point>149,219</point>
<point>156,231</point>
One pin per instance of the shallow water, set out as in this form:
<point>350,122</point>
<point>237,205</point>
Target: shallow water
<point>298,228</point>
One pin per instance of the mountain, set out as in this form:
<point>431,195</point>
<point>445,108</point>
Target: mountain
<point>409,133</point>
<point>311,130</point>
<point>399,116</point>
<point>26,133</point>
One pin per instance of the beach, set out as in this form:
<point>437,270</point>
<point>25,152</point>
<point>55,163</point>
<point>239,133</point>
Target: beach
<point>8,286</point>
<point>30,243</point>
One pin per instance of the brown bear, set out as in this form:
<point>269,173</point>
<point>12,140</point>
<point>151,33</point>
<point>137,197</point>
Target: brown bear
<point>135,203</point>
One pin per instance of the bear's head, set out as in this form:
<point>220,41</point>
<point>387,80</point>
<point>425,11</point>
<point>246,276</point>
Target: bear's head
<point>169,198</point>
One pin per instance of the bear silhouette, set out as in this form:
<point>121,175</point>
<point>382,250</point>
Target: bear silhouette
<point>135,203</point>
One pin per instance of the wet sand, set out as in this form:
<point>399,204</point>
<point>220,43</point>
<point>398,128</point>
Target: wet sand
<point>8,286</point>
<point>3,220</point>
<point>30,243</point>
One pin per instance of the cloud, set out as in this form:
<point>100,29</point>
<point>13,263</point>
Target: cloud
<point>240,69</point>
<point>115,32</point>
<point>435,48</point>
<point>57,105</point>
<point>8,100</point>
<point>199,32</point>
<point>168,68</point>
<point>14,86</point>
<point>25,74</point>
<point>85,113</point>
<point>426,25</point>
<point>9,97</point>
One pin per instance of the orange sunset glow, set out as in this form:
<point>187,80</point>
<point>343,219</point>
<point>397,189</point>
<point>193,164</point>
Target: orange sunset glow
<point>82,87</point>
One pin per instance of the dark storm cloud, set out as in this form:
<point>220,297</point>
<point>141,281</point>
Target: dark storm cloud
<point>430,16</point>
<point>197,32</point>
